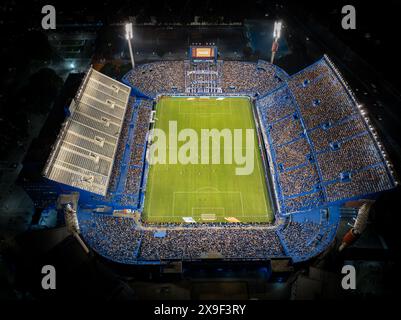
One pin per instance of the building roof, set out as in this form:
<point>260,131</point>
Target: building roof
<point>84,151</point>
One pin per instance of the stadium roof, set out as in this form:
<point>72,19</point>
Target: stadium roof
<point>84,152</point>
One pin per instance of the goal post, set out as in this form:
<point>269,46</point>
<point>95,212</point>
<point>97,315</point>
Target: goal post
<point>208,217</point>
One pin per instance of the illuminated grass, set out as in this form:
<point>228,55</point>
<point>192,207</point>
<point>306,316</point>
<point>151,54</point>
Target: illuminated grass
<point>176,190</point>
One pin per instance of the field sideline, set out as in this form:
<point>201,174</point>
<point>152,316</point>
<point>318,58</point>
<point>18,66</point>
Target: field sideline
<point>175,191</point>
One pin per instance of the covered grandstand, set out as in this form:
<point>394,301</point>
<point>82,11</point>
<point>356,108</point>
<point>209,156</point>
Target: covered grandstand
<point>84,152</point>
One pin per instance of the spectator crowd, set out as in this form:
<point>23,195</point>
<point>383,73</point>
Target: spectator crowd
<point>115,238</point>
<point>158,77</point>
<point>320,143</point>
<point>115,174</point>
<point>226,242</point>
<point>304,240</point>
<point>249,77</point>
<point>183,77</point>
<point>122,240</point>
<point>137,118</point>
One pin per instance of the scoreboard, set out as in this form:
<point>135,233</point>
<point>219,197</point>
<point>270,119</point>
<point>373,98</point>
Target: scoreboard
<point>202,53</point>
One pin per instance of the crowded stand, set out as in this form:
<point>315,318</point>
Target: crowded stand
<point>314,112</point>
<point>240,76</point>
<point>115,174</point>
<point>115,238</point>
<point>158,77</point>
<point>311,72</point>
<point>298,180</point>
<point>324,135</point>
<point>316,105</point>
<point>276,105</point>
<point>354,154</point>
<point>195,243</point>
<point>137,156</point>
<point>304,240</point>
<point>142,123</point>
<point>131,200</point>
<point>134,175</point>
<point>137,119</point>
<point>172,246</point>
<point>292,154</point>
<point>316,94</point>
<point>304,202</point>
<point>203,77</point>
<point>285,130</point>
<point>133,180</point>
<point>298,236</point>
<point>123,241</point>
<point>371,180</point>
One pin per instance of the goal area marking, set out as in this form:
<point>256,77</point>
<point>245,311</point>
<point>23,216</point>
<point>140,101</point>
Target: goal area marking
<point>208,213</point>
<point>234,198</point>
<point>208,217</point>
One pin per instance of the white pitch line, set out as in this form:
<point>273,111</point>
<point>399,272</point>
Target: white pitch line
<point>252,120</point>
<point>242,204</point>
<point>152,166</point>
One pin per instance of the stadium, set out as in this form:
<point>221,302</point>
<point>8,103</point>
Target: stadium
<point>199,151</point>
<point>315,149</point>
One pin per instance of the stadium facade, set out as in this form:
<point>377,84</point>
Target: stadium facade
<point>318,147</point>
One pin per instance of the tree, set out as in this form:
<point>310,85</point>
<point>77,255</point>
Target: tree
<point>41,90</point>
<point>36,46</point>
<point>247,52</point>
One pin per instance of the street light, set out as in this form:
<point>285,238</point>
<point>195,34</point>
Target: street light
<point>129,36</point>
<point>276,36</point>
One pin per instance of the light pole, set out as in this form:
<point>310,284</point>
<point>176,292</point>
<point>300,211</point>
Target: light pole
<point>129,36</point>
<point>276,36</point>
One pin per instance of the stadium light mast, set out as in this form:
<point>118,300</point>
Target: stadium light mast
<point>129,36</point>
<point>276,36</point>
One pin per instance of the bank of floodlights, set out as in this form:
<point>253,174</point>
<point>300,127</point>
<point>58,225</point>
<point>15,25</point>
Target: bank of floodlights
<point>276,35</point>
<point>129,36</point>
<point>128,31</point>
<point>277,30</point>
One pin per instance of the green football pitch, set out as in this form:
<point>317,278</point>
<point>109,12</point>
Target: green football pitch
<point>206,192</point>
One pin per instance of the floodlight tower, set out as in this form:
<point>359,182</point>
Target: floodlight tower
<point>129,36</point>
<point>276,36</point>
